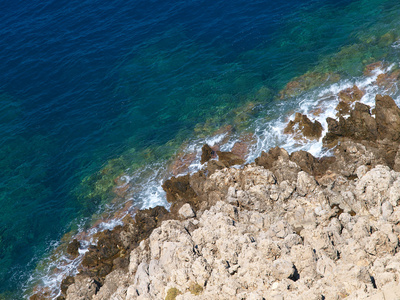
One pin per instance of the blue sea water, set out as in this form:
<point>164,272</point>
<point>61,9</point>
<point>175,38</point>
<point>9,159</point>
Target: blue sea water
<point>90,87</point>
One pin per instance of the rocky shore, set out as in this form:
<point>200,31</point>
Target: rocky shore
<point>288,226</point>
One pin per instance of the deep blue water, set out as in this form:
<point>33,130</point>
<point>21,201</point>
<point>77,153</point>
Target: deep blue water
<point>84,82</point>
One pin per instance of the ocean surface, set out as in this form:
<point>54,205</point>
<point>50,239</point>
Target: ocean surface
<point>97,99</point>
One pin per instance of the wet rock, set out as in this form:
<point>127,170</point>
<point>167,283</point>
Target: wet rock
<point>350,95</point>
<point>302,127</point>
<point>369,69</point>
<point>359,126</point>
<point>387,118</point>
<point>278,161</point>
<point>268,159</point>
<point>343,108</point>
<point>182,162</point>
<point>241,149</point>
<point>206,153</point>
<point>73,248</point>
<point>305,82</point>
<point>230,159</point>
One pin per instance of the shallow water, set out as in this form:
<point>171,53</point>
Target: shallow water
<point>92,90</point>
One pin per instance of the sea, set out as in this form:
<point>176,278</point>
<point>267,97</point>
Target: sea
<point>102,101</point>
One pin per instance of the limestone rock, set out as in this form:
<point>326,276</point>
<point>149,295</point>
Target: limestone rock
<point>186,211</point>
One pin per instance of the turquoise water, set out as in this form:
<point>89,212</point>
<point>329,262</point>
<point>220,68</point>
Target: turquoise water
<point>92,90</point>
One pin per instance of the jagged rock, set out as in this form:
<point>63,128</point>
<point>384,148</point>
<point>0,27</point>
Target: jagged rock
<point>230,159</point>
<point>387,118</point>
<point>206,154</point>
<point>351,94</point>
<point>302,127</point>
<point>359,126</point>
<point>343,108</point>
<point>241,149</point>
<point>73,248</point>
<point>308,163</point>
<point>287,226</point>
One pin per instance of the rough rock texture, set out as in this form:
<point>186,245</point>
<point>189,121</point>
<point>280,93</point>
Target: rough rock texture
<point>285,227</point>
<point>351,94</point>
<point>206,154</point>
<point>302,127</point>
<point>277,240</point>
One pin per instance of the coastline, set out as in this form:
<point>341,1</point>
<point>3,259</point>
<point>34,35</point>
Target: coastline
<point>356,154</point>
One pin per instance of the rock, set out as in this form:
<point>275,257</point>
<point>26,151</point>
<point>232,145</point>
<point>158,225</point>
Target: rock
<point>206,154</point>
<point>230,159</point>
<point>182,162</point>
<point>308,163</point>
<point>287,226</point>
<point>84,288</point>
<point>343,108</point>
<point>241,149</point>
<point>267,160</point>
<point>350,95</point>
<point>387,118</point>
<point>302,127</point>
<point>359,126</point>
<point>186,211</point>
<point>73,248</point>
<point>284,269</point>
<point>305,183</point>
<point>371,68</point>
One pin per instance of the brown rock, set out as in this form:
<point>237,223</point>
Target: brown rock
<point>267,160</point>
<point>178,188</point>
<point>230,159</point>
<point>310,164</point>
<point>206,153</point>
<point>343,108</point>
<point>182,162</point>
<point>66,283</point>
<point>214,165</point>
<point>351,94</point>
<point>369,69</point>
<point>240,149</point>
<point>387,118</point>
<point>73,248</point>
<point>359,126</point>
<point>303,127</point>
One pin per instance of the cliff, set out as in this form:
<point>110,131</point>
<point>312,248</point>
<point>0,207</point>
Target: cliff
<point>288,226</point>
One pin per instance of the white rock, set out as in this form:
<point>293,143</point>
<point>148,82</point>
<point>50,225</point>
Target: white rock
<point>186,211</point>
